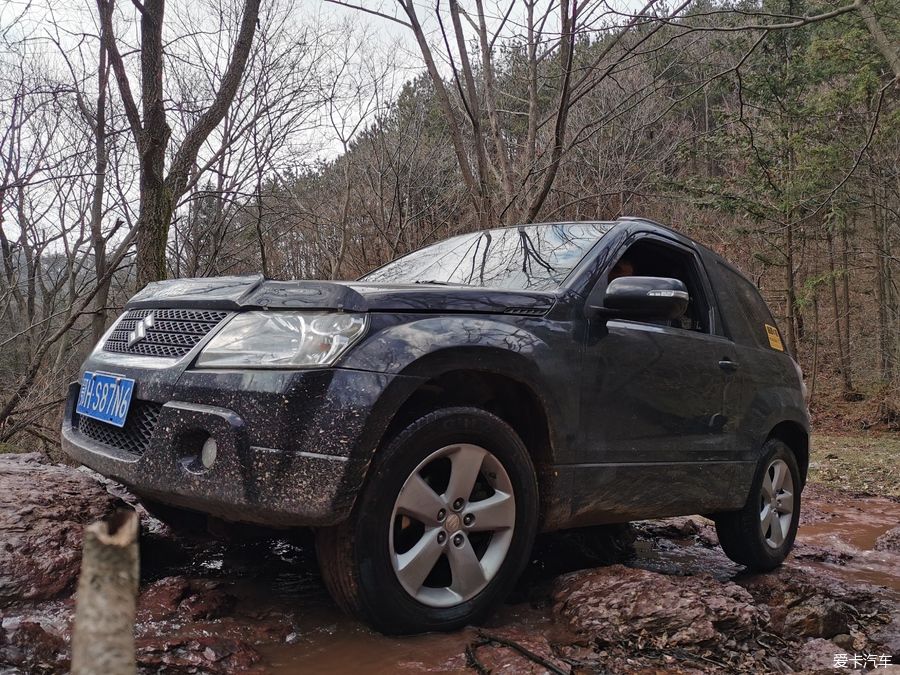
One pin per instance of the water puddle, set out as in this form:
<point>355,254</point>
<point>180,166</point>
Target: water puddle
<point>277,581</point>
<point>344,646</point>
<point>839,540</point>
<point>849,530</point>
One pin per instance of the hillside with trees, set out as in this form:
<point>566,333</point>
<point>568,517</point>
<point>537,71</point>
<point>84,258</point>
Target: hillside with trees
<point>768,130</point>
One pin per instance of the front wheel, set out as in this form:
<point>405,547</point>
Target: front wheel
<point>761,534</point>
<point>442,529</point>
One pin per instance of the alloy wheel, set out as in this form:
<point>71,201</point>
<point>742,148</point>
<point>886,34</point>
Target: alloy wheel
<point>776,507</point>
<point>452,525</point>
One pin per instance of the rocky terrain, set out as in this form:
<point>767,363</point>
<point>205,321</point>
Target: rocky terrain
<point>656,596</point>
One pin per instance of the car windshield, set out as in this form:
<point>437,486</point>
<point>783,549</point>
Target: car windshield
<point>535,257</point>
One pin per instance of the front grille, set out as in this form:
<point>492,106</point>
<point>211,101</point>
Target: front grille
<point>173,333</point>
<point>134,437</point>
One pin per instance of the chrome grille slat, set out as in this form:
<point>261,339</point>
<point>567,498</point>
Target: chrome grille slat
<point>174,333</point>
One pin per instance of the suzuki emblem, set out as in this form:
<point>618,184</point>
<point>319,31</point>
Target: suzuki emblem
<point>140,330</point>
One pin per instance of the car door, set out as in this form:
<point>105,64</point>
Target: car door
<point>656,433</point>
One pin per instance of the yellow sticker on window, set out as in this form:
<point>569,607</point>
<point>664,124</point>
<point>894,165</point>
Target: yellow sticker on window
<point>774,338</point>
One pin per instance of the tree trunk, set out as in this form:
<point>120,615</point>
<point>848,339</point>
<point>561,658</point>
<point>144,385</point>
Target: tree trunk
<point>259,229</point>
<point>885,45</point>
<point>790,289</point>
<point>882,294</point>
<point>103,639</point>
<point>845,287</point>
<point>151,131</point>
<point>153,232</point>
<point>98,320</point>
<point>815,356</point>
<point>843,364</point>
<point>157,203</point>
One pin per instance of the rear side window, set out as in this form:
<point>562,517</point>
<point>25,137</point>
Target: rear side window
<point>747,316</point>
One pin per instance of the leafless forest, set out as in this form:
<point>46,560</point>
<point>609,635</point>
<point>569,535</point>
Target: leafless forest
<point>142,140</point>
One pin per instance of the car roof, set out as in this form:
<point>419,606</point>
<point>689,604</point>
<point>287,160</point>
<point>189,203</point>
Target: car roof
<point>648,224</point>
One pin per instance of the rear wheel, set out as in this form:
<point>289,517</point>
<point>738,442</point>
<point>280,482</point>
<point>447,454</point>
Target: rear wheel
<point>762,534</point>
<point>442,529</point>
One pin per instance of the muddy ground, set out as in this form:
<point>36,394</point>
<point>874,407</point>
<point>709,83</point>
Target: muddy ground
<point>653,597</point>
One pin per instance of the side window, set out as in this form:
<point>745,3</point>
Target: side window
<point>747,315</point>
<point>653,258</point>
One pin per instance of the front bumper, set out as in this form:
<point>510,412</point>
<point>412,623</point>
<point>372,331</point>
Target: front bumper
<point>292,447</point>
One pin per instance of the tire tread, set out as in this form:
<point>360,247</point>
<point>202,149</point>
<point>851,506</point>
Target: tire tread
<point>336,546</point>
<point>738,531</point>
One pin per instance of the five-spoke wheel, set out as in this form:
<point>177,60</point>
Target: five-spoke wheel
<point>442,529</point>
<point>776,501</point>
<point>453,522</point>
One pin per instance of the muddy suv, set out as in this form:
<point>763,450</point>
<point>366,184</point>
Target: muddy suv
<point>429,419</point>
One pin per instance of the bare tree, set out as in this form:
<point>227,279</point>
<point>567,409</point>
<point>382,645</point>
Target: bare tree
<point>161,189</point>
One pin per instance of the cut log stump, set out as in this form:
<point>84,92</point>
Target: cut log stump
<point>103,639</point>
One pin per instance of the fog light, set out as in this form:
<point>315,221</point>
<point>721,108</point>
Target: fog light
<point>208,453</point>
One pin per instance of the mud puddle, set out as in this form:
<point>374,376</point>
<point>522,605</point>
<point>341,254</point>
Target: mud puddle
<point>848,531</point>
<point>343,646</point>
<point>277,581</point>
<point>838,539</point>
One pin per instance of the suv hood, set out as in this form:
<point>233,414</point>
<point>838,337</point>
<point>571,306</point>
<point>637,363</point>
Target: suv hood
<point>256,292</point>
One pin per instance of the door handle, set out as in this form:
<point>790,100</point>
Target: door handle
<point>729,365</point>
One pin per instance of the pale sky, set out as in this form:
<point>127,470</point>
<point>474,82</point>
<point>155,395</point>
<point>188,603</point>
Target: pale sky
<point>31,29</point>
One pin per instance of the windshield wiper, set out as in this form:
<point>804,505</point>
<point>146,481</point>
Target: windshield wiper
<point>435,282</point>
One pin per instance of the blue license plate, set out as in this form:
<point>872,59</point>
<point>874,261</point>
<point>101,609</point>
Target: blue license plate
<point>105,397</point>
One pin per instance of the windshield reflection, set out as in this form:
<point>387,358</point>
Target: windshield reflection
<point>536,257</point>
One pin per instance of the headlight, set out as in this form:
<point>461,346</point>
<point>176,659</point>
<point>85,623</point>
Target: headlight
<point>282,340</point>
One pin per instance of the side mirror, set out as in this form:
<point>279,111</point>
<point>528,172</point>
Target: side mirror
<point>644,297</point>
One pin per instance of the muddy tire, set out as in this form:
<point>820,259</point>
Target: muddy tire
<point>762,534</point>
<point>442,529</point>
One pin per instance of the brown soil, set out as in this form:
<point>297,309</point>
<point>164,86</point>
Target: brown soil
<point>658,596</point>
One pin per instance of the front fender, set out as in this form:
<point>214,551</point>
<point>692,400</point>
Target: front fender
<point>534,352</point>
<point>396,346</point>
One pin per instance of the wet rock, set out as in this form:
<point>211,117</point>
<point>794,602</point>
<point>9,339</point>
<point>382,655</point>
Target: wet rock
<point>889,541</point>
<point>696,528</point>
<point>191,653</point>
<point>671,527</point>
<point>816,656</point>
<point>206,601</point>
<point>565,551</point>
<point>43,508</point>
<point>188,599</point>
<point>834,557</point>
<point>458,663</point>
<point>226,645</point>
<point>582,657</point>
<point>844,641</point>
<point>512,651</point>
<point>816,603</point>
<point>619,603</point>
<point>818,617</point>
<point>887,638</point>
<point>28,646</point>
<point>160,599</point>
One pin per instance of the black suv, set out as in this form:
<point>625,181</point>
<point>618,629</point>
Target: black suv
<point>429,419</point>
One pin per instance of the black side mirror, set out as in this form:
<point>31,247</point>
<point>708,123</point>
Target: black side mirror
<point>644,297</point>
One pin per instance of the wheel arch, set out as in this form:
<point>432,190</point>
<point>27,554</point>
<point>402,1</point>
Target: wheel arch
<point>502,383</point>
<point>509,398</point>
<point>796,437</point>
